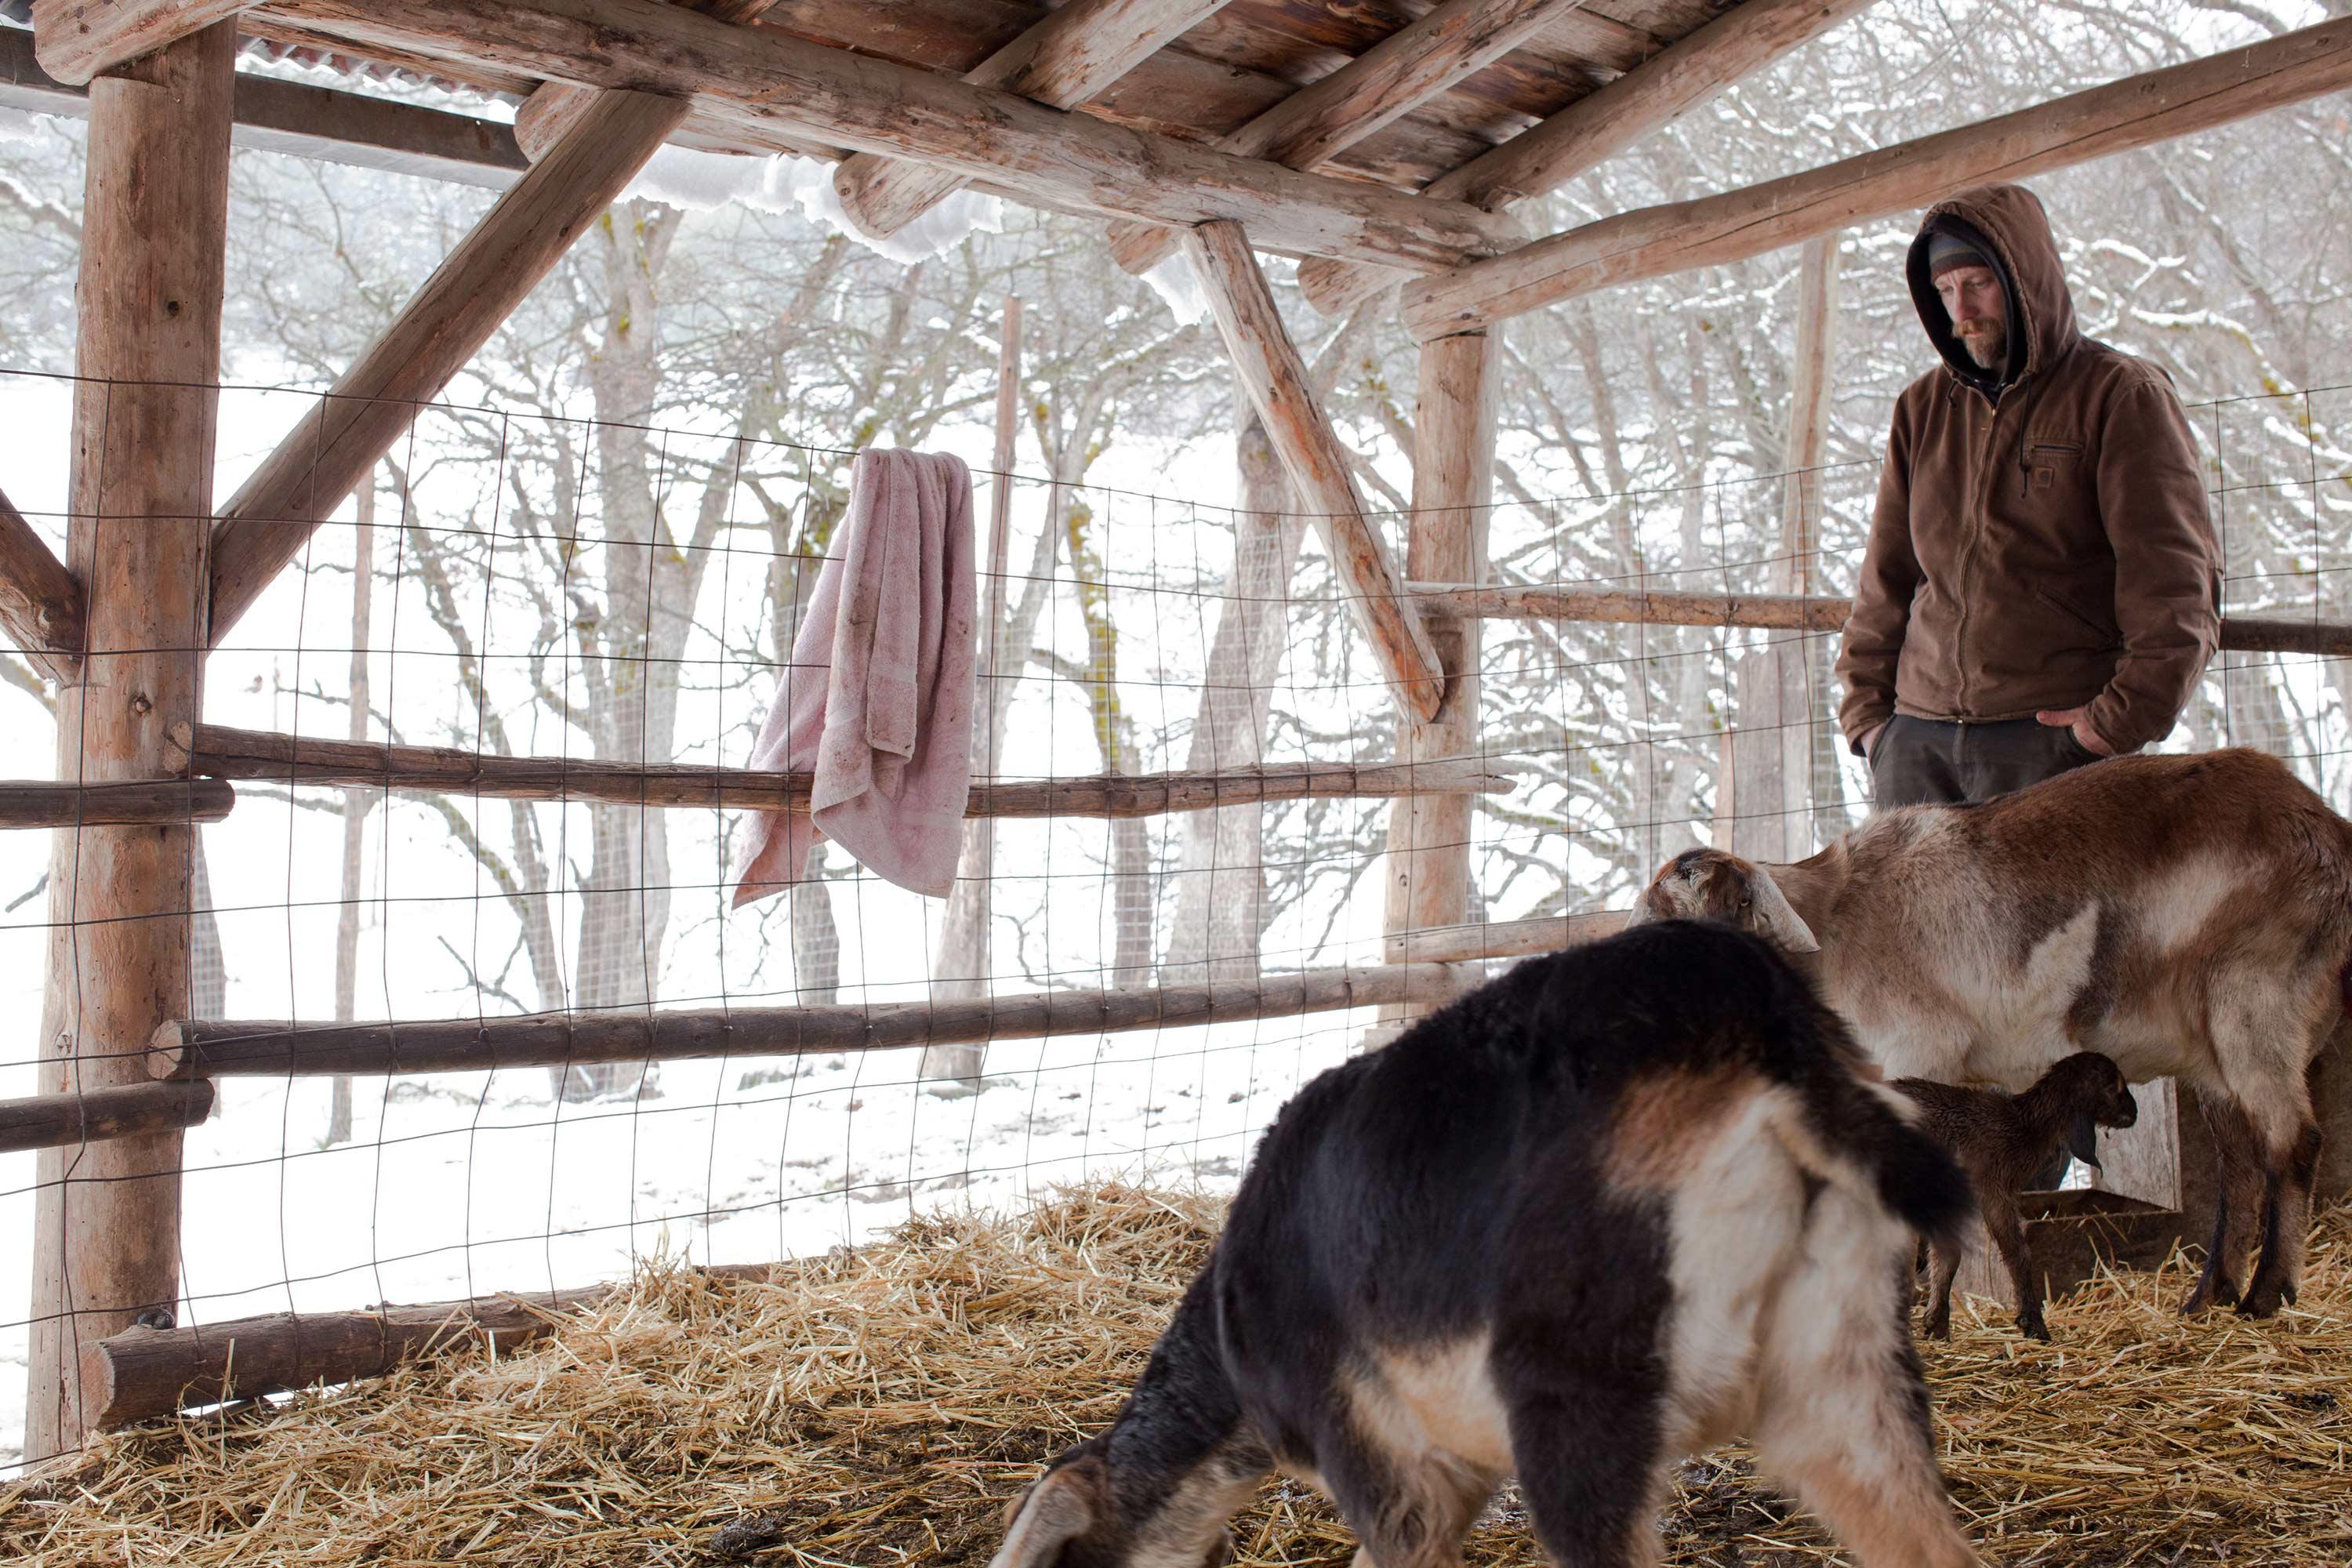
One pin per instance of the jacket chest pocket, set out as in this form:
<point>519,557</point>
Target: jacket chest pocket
<point>2054,468</point>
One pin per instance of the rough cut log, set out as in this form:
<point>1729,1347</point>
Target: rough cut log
<point>1792,612</point>
<point>78,40</point>
<point>142,1373</point>
<point>64,1121</point>
<point>557,105</point>
<point>201,1049</point>
<point>1065,59</point>
<point>40,604</point>
<point>1501,939</point>
<point>305,122</point>
<point>1392,77</point>
<point>106,1224</point>
<point>514,245</point>
<point>1710,231</point>
<point>1427,867</point>
<point>227,753</point>
<point>37,803</point>
<point>1267,365</point>
<point>764,82</point>
<point>1601,124</point>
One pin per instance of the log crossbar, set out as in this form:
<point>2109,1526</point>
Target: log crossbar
<point>203,1048</point>
<point>63,1120</point>
<point>1793,612</point>
<point>29,803</point>
<point>256,754</point>
<point>143,1373</point>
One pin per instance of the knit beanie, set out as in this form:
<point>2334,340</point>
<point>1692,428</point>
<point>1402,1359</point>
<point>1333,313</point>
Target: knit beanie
<point>1946,251</point>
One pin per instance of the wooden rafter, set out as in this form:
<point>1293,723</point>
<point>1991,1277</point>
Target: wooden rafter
<point>515,243</point>
<point>1274,378</point>
<point>1405,70</point>
<point>1065,59</point>
<point>2135,111</point>
<point>556,107</point>
<point>760,82</point>
<point>1604,123</point>
<point>40,604</point>
<point>227,753</point>
<point>306,121</point>
<point>78,39</point>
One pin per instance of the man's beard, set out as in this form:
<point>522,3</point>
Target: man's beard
<point>1988,347</point>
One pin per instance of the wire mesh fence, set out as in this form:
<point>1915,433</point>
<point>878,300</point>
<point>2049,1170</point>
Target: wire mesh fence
<point>527,587</point>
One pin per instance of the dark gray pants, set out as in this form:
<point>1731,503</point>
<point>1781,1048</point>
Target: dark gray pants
<point>1933,761</point>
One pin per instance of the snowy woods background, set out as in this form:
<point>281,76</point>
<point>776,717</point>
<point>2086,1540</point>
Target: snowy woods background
<point>599,547</point>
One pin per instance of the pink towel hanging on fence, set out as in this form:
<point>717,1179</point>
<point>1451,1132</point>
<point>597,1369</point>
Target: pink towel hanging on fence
<point>877,701</point>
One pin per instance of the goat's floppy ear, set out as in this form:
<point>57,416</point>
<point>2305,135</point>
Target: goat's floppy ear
<point>1772,911</point>
<point>1060,1507</point>
<point>1641,914</point>
<point>2083,1140</point>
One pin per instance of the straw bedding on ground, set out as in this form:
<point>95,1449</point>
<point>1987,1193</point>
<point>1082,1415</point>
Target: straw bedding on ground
<point>875,1409</point>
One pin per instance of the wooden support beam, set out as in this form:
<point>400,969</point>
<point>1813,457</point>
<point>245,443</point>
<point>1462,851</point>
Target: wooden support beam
<point>144,1372</point>
<point>1472,943</point>
<point>1391,79</point>
<point>29,803</point>
<point>78,39</point>
<point>227,753</point>
<point>1601,124</point>
<point>761,83</point>
<point>1275,377</point>
<point>202,1048</point>
<point>1065,59</point>
<point>2137,111</point>
<point>514,245</point>
<point>558,106</point>
<point>65,1120</point>
<point>305,122</point>
<point>106,1223</point>
<point>1427,867</point>
<point>1793,612</point>
<point>40,603</point>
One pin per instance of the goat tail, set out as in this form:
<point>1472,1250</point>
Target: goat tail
<point>1865,1132</point>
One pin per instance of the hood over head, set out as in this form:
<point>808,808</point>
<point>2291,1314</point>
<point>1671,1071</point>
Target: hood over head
<point>2007,224</point>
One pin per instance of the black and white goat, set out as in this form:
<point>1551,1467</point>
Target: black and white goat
<point>1616,1206</point>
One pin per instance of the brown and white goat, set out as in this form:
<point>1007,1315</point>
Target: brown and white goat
<point>1617,1206</point>
<point>2188,917</point>
<point>2003,1140</point>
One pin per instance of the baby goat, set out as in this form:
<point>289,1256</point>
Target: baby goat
<point>2188,917</point>
<point>1615,1206</point>
<point>2003,1141</point>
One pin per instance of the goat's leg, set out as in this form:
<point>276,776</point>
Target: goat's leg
<point>1591,1468</point>
<point>1842,1422</point>
<point>2007,1233</point>
<point>2238,1199</point>
<point>1944,1263</point>
<point>2286,1226</point>
<point>1409,1508</point>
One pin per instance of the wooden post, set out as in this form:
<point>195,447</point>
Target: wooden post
<point>963,967</point>
<point>1428,862</point>
<point>106,1237</point>
<point>357,802</point>
<point>1799,674</point>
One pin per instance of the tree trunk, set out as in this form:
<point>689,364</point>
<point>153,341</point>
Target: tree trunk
<point>1221,893</point>
<point>356,802</point>
<point>1131,904</point>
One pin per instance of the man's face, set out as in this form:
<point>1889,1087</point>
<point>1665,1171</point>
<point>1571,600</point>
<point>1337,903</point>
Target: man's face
<point>1973,298</point>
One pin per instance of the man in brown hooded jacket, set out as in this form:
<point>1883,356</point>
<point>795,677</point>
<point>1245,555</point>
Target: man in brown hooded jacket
<point>2041,587</point>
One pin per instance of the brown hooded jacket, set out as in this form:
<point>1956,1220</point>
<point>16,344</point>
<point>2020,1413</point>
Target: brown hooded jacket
<point>2041,538</point>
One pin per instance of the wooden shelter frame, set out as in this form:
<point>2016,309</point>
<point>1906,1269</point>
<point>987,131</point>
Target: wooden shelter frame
<point>1382,145</point>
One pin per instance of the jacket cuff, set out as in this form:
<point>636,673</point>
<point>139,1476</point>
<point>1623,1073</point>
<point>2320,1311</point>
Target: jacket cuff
<point>1861,725</point>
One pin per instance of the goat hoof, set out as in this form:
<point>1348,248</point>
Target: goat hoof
<point>2262,1303</point>
<point>2034,1329</point>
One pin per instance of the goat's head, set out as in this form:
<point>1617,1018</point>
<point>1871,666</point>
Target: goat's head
<point>1073,1516</point>
<point>2090,1091</point>
<point>1716,885</point>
